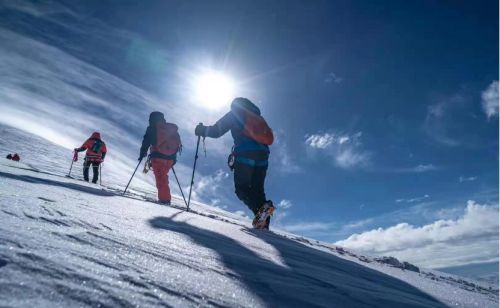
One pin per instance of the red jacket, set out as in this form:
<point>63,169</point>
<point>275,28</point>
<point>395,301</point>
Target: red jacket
<point>96,148</point>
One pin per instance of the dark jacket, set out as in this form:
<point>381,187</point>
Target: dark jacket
<point>234,121</point>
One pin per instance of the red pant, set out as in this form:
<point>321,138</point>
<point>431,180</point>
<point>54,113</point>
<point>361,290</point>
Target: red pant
<point>161,167</point>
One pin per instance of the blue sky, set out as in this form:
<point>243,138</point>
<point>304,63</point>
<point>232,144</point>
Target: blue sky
<point>385,111</point>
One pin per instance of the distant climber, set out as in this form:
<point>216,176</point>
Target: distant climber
<point>96,151</point>
<point>14,157</point>
<point>249,158</point>
<point>163,141</point>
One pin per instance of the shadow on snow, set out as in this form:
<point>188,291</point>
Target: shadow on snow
<point>35,180</point>
<point>311,277</point>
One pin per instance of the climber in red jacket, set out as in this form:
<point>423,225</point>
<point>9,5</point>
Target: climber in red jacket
<point>96,151</point>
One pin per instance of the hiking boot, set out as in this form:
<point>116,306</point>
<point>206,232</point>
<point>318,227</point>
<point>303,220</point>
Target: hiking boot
<point>165,202</point>
<point>263,216</point>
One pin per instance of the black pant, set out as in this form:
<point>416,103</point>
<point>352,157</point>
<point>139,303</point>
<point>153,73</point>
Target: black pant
<point>249,185</point>
<point>95,169</point>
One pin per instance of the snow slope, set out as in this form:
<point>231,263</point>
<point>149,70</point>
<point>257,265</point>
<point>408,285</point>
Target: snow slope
<point>66,243</point>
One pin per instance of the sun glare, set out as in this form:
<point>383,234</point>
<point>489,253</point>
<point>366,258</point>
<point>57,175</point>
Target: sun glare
<point>214,89</point>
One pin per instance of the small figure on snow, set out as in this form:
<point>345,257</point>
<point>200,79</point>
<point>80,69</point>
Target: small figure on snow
<point>96,151</point>
<point>249,158</point>
<point>163,141</point>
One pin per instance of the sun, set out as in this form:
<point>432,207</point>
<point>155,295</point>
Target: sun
<point>214,89</point>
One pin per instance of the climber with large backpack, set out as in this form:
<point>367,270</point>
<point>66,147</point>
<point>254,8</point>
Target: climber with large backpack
<point>96,151</point>
<point>164,142</point>
<point>249,156</point>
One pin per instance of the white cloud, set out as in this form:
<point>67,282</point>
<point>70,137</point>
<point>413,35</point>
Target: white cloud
<point>349,157</point>
<point>206,188</point>
<point>473,237</point>
<point>343,139</point>
<point>284,204</point>
<point>489,99</point>
<point>467,179</point>
<point>421,168</point>
<point>424,168</point>
<point>320,141</point>
<point>346,150</point>
<point>413,200</point>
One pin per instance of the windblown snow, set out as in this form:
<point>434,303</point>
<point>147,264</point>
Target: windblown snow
<point>67,243</point>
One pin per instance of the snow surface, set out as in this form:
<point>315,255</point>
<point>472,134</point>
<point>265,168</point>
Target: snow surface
<point>67,243</point>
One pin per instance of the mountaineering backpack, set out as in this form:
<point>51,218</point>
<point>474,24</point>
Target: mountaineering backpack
<point>97,146</point>
<point>256,128</point>
<point>168,140</point>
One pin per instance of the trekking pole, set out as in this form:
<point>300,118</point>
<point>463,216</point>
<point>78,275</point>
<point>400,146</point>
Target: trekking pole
<point>194,168</point>
<point>100,174</point>
<point>180,188</point>
<point>140,161</point>
<point>70,167</point>
<point>75,155</point>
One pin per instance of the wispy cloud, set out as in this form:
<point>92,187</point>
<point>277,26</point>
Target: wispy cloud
<point>420,168</point>
<point>424,168</point>
<point>208,188</point>
<point>62,99</point>
<point>346,150</point>
<point>284,204</point>
<point>412,200</point>
<point>282,211</point>
<point>320,141</point>
<point>333,78</point>
<point>472,237</point>
<point>467,179</point>
<point>438,115</point>
<point>489,99</point>
<point>356,225</point>
<point>56,94</point>
<point>282,157</point>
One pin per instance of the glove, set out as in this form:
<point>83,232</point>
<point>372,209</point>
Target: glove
<point>201,130</point>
